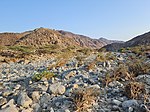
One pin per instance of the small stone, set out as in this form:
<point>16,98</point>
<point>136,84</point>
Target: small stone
<point>17,87</point>
<point>75,86</point>
<point>51,109</point>
<point>35,96</point>
<point>24,100</point>
<point>130,109</point>
<point>116,102</point>
<point>27,110</point>
<point>67,110</point>
<point>9,107</point>
<point>2,101</point>
<point>144,108</point>
<point>6,93</point>
<point>130,103</point>
<point>57,88</point>
<point>44,99</point>
<point>36,107</point>
<point>69,75</point>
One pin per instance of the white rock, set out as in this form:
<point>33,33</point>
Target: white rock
<point>24,100</point>
<point>130,103</point>
<point>36,107</point>
<point>67,110</point>
<point>9,107</point>
<point>27,110</point>
<point>35,96</point>
<point>57,88</point>
<point>17,86</point>
<point>116,102</point>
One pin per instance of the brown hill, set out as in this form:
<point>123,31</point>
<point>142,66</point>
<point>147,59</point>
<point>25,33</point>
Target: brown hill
<point>8,38</point>
<point>85,41</point>
<point>44,36</point>
<point>143,39</point>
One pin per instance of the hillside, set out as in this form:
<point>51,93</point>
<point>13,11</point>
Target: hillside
<point>143,39</point>
<point>85,41</point>
<point>44,36</point>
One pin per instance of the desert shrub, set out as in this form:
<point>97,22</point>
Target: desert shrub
<point>90,66</point>
<point>138,67</point>
<point>80,59</point>
<point>122,50</point>
<point>61,63</point>
<point>135,90</point>
<point>122,73</point>
<point>118,74</point>
<point>45,74</point>
<point>110,56</point>
<point>85,51</point>
<point>107,79</point>
<point>136,49</point>
<point>83,98</point>
<point>100,57</point>
<point>128,70</point>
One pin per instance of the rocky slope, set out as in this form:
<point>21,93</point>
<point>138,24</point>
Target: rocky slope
<point>143,39</point>
<point>85,41</point>
<point>43,36</point>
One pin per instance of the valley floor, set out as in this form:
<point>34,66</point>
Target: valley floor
<point>77,85</point>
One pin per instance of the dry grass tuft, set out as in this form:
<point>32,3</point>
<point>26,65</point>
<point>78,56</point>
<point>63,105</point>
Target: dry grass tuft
<point>134,90</point>
<point>84,98</point>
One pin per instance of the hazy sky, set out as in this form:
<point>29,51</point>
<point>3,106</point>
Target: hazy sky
<point>111,19</point>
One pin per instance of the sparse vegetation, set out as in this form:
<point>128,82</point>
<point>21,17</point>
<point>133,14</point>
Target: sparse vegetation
<point>134,90</point>
<point>138,67</point>
<point>84,98</point>
<point>49,49</point>
<point>23,49</point>
<point>100,57</point>
<point>46,74</point>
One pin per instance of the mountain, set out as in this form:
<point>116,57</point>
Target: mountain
<point>85,41</point>
<point>44,36</point>
<point>143,39</point>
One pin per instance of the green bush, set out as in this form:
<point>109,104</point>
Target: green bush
<point>45,74</point>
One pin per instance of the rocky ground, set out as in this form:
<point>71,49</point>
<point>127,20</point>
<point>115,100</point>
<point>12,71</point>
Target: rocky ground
<point>69,88</point>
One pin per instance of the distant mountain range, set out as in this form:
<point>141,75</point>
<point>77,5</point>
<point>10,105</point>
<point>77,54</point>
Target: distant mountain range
<point>44,36</point>
<point>143,39</point>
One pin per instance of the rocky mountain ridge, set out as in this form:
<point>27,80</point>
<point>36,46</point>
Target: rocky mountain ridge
<point>143,39</point>
<point>44,36</point>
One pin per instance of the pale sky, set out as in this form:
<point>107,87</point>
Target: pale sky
<point>111,19</point>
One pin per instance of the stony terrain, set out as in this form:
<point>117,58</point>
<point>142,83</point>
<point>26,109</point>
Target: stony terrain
<point>78,85</point>
<point>56,71</point>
